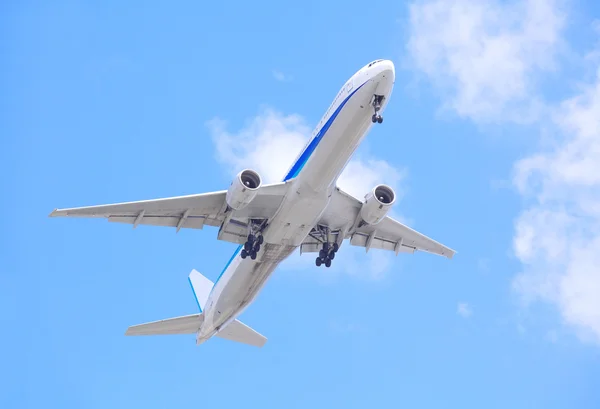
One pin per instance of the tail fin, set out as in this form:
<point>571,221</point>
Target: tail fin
<point>190,324</point>
<point>201,286</point>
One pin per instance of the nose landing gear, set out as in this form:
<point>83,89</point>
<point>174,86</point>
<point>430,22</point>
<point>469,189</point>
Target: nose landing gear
<point>377,101</point>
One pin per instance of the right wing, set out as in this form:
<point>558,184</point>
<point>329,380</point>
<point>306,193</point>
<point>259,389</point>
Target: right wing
<point>390,234</point>
<point>193,211</point>
<point>343,221</point>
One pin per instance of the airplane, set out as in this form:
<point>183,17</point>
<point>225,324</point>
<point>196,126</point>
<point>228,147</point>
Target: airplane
<point>306,210</point>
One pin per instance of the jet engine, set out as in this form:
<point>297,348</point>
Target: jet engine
<point>243,189</point>
<point>377,204</point>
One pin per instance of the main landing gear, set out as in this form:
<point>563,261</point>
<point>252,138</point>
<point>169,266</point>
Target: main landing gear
<point>377,101</point>
<point>327,254</point>
<point>255,240</point>
<point>252,246</point>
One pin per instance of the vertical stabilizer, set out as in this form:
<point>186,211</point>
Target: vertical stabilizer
<point>201,286</point>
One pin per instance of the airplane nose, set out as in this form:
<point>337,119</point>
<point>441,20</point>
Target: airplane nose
<point>384,74</point>
<point>388,67</point>
<point>385,69</point>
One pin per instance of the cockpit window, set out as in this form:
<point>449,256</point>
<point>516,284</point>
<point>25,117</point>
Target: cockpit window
<point>374,62</point>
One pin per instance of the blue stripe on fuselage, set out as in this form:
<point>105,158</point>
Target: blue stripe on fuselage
<point>305,156</point>
<point>235,253</point>
<point>297,167</point>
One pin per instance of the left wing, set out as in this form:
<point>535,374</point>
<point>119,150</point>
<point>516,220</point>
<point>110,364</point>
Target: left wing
<point>341,219</point>
<point>193,211</point>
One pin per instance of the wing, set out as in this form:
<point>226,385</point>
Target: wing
<point>342,216</point>
<point>193,211</point>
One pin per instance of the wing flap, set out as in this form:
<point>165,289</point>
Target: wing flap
<point>391,235</point>
<point>361,240</point>
<point>396,232</point>
<point>190,222</point>
<point>192,211</point>
<point>187,324</point>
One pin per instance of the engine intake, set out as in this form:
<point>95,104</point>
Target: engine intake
<point>243,189</point>
<point>378,203</point>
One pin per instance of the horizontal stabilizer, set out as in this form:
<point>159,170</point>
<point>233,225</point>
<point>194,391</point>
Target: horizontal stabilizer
<point>240,332</point>
<point>187,324</point>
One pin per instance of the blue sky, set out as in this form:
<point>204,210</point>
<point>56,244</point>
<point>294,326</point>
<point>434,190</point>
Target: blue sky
<point>491,137</point>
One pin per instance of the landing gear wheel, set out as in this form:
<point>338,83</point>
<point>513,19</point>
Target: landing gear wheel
<point>336,247</point>
<point>328,263</point>
<point>322,254</point>
<point>377,103</point>
<point>244,253</point>
<point>318,262</point>
<point>332,255</point>
<point>253,255</point>
<point>253,244</point>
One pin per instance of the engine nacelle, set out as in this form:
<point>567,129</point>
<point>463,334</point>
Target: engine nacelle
<point>378,203</point>
<point>243,189</point>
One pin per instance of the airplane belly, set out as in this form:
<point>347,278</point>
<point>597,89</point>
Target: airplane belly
<point>245,281</point>
<point>296,216</point>
<point>244,278</point>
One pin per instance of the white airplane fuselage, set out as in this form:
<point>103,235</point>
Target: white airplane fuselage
<point>313,177</point>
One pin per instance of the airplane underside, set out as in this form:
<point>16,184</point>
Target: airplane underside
<point>270,221</point>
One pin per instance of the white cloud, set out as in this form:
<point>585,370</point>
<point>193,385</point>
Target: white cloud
<point>464,310</point>
<point>558,236</point>
<point>281,77</point>
<point>360,176</point>
<point>269,144</point>
<point>350,261</point>
<point>484,55</point>
<point>487,57</point>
